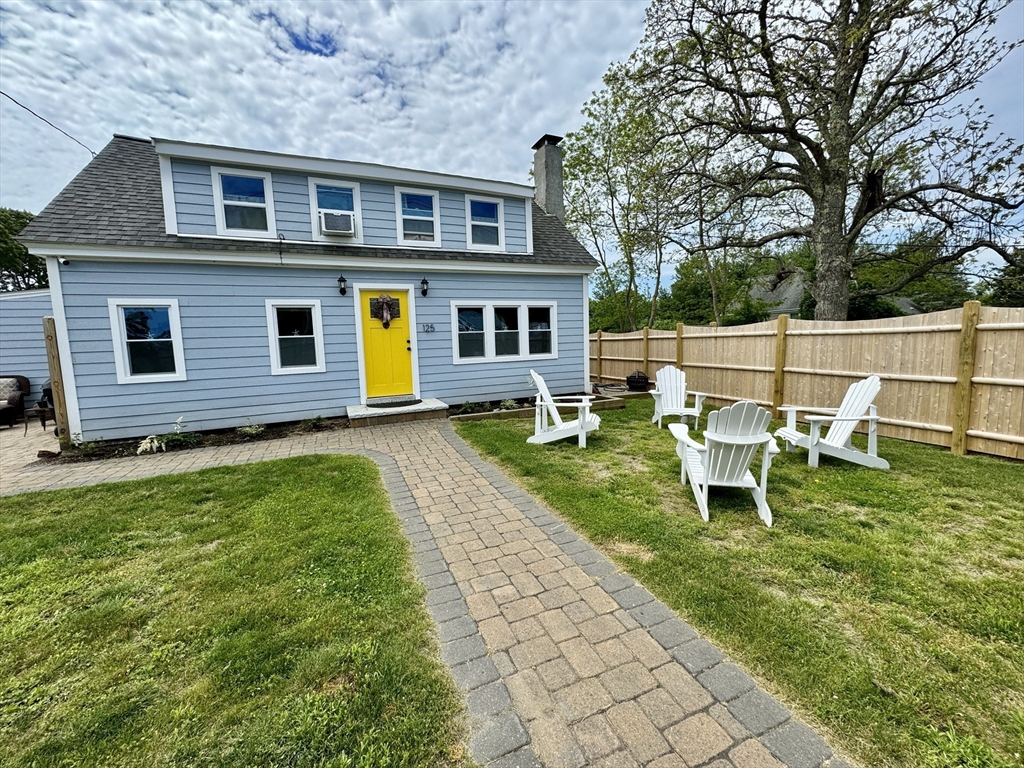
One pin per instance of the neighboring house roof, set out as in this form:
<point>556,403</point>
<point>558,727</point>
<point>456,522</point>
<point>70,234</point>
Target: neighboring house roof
<point>116,200</point>
<point>784,296</point>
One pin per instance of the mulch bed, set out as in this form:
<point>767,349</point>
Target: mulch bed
<point>113,449</point>
<point>490,405</point>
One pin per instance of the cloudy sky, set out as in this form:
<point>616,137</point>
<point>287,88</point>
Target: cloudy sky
<point>462,87</point>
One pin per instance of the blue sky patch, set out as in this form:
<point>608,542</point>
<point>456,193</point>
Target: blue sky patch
<point>305,40</point>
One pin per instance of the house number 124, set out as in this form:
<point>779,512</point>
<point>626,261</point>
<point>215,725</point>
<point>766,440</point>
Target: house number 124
<point>428,327</point>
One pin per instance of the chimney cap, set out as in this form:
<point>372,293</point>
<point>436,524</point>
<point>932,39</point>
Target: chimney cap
<point>547,138</point>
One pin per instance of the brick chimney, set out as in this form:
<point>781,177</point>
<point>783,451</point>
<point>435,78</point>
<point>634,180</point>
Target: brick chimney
<point>547,175</point>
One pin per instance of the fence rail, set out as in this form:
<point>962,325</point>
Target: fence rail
<point>952,378</point>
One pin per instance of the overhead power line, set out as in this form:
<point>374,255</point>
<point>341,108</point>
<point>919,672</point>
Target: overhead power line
<point>36,114</point>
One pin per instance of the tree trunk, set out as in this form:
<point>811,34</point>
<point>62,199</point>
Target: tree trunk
<point>832,257</point>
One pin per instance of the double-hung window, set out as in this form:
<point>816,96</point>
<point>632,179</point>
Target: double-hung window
<point>147,340</point>
<point>243,203</point>
<point>296,335</point>
<point>485,227</point>
<point>336,211</point>
<point>419,217</point>
<point>484,332</point>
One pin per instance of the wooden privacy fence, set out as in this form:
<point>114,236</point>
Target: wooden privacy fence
<point>952,378</point>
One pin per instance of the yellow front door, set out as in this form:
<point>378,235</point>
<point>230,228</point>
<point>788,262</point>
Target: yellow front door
<point>387,352</point>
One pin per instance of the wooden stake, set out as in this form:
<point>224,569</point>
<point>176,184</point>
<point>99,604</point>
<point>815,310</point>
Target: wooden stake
<point>964,372</point>
<point>778,391</point>
<point>598,356</point>
<point>60,407</point>
<point>646,348</point>
<point>679,345</point>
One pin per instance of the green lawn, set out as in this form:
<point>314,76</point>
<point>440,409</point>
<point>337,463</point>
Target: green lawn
<point>258,615</point>
<point>887,608</point>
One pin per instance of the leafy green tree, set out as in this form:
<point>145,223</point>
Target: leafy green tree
<point>1007,288</point>
<point>690,301</point>
<point>898,272</point>
<point>837,123</point>
<point>608,310</point>
<point>19,270</point>
<point>617,202</point>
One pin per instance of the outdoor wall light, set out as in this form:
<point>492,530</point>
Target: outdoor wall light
<point>342,285</point>
<point>423,286</point>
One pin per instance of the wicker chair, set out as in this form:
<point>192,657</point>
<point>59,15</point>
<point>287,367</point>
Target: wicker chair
<point>13,391</point>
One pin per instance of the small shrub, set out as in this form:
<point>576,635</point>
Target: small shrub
<point>315,424</point>
<point>251,430</point>
<point>177,441</point>
<point>508,405</point>
<point>466,407</point>
<point>151,444</point>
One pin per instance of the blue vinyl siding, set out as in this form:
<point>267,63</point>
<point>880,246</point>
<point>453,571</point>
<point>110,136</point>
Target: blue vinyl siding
<point>378,205</point>
<point>22,346</point>
<point>226,346</point>
<point>291,206</point>
<point>193,199</point>
<point>515,225</point>
<point>441,378</point>
<point>453,220</point>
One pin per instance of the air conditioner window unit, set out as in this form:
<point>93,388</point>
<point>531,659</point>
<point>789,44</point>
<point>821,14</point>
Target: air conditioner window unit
<point>337,223</point>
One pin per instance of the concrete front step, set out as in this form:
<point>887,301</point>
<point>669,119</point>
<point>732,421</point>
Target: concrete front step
<point>428,408</point>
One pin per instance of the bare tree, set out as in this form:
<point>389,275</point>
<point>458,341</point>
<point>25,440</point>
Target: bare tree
<point>845,121</point>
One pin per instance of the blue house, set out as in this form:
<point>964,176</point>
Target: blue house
<point>230,286</point>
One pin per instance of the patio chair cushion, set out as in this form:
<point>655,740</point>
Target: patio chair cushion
<point>9,387</point>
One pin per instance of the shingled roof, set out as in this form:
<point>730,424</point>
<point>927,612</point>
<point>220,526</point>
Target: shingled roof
<point>117,200</point>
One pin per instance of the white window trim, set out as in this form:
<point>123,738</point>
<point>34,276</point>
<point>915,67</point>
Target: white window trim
<point>314,211</point>
<point>218,202</point>
<point>402,242</point>
<point>524,330</point>
<point>276,369</point>
<point>500,226</point>
<point>119,336</point>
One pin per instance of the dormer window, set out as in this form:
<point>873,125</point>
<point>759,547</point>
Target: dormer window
<point>485,230</point>
<point>244,203</point>
<point>335,211</point>
<point>419,218</point>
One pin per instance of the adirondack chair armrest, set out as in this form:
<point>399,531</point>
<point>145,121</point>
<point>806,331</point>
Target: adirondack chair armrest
<point>685,437</point>
<point>698,397</point>
<point>807,409</point>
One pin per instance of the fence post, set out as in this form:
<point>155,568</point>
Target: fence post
<point>646,351</point>
<point>598,355</point>
<point>781,325</point>
<point>679,345</point>
<point>60,406</point>
<point>964,372</point>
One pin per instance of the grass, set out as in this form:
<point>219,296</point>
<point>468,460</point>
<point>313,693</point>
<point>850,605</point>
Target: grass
<point>885,607</point>
<point>257,615</point>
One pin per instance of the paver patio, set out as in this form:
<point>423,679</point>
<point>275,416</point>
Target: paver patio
<point>564,659</point>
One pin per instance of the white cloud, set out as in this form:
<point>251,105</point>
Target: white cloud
<point>456,87</point>
<point>461,88</point>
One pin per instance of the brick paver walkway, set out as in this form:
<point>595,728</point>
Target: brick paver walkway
<point>564,660</point>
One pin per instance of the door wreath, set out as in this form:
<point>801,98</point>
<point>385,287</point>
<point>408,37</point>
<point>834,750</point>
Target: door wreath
<point>385,308</point>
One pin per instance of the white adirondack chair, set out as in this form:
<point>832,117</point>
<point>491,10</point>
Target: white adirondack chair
<point>857,406</point>
<point>547,406</point>
<point>669,395</point>
<point>732,438</point>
